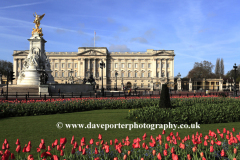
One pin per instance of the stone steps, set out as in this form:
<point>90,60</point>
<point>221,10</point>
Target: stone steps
<point>21,89</point>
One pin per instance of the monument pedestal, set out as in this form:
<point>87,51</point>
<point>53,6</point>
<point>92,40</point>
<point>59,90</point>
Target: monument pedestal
<point>43,89</point>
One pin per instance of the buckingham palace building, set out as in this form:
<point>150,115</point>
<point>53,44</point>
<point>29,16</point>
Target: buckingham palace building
<point>124,69</point>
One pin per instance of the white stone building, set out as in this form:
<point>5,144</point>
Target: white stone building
<point>135,69</point>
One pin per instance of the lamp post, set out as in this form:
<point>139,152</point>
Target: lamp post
<point>102,65</point>
<point>235,68</point>
<point>116,74</point>
<point>231,82</point>
<point>0,78</point>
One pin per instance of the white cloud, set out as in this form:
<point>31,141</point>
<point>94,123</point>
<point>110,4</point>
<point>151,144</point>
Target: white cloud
<point>21,5</point>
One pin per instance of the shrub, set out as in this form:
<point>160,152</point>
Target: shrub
<point>165,98</point>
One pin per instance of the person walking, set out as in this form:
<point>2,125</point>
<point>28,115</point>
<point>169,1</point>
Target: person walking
<point>59,92</point>
<point>2,91</point>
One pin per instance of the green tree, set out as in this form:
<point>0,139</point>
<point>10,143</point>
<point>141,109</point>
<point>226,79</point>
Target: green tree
<point>221,68</point>
<point>217,68</point>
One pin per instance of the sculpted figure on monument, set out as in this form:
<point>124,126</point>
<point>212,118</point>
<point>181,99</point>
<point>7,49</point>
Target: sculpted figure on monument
<point>37,24</point>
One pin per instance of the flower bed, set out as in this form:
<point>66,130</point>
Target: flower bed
<point>223,145</point>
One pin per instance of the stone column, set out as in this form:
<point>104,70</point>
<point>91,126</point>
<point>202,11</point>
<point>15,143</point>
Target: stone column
<point>179,84</point>
<point>113,69</point>
<point>166,69</point>
<point>160,68</point>
<point>190,85</point>
<point>154,67</point>
<point>59,67</point>
<point>79,62</point>
<point>66,68</point>
<point>14,68</point>
<point>146,65</point>
<point>105,69</point>
<point>221,84</point>
<point>20,64</point>
<point>172,68</point>
<point>94,68</point>
<point>100,70</point>
<point>132,68</point>
<point>83,70</point>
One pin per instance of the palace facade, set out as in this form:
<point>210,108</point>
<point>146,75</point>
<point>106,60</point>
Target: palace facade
<point>134,69</point>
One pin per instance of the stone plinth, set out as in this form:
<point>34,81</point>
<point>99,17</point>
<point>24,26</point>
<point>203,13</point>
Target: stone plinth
<point>43,89</point>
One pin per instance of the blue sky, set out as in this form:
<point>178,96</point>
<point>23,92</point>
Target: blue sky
<point>196,30</point>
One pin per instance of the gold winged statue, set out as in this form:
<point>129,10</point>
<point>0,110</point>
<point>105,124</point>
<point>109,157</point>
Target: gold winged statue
<point>37,24</point>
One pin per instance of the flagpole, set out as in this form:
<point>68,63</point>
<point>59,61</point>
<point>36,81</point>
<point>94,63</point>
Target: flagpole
<point>94,38</point>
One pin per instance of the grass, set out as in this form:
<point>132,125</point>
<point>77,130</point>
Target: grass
<point>35,128</point>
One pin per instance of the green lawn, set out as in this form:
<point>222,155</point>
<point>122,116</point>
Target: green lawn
<point>35,128</point>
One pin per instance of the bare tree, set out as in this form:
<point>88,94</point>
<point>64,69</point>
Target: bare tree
<point>5,66</point>
<point>201,70</point>
<point>217,68</point>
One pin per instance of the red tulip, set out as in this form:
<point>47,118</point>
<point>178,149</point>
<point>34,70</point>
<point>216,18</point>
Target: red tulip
<point>201,154</point>
<point>17,142</point>
<point>28,148</point>
<point>42,146</point>
<point>38,149</point>
<point>166,146</point>
<point>143,145</point>
<point>97,143</point>
<point>163,132</point>
<point>174,157</point>
<point>160,142</point>
<point>87,146</point>
<point>75,145</point>
<point>107,149</point>
<point>7,146</point>
<point>30,157</point>
<point>73,139</point>
<point>55,142</point>
<point>142,158</point>
<point>96,151</point>
<point>218,143</point>
<point>63,141</point>
<point>224,130</point>
<point>3,146</point>
<point>154,152</point>
<point>99,136</point>
<point>62,153</point>
<point>12,156</point>
<point>168,138</point>
<point>24,149</point>
<point>211,149</point>
<point>233,129</point>
<point>172,150</point>
<point>235,150</point>
<point>146,147</point>
<point>189,157</point>
<point>42,141</point>
<point>203,158</point>
<point>18,148</point>
<point>115,141</point>
<point>129,152</point>
<point>97,158</point>
<point>223,153</point>
<point>73,151</point>
<point>125,157</point>
<point>159,156</point>
<point>115,158</point>
<point>159,137</point>
<point>72,142</point>
<point>194,149</point>
<point>84,151</point>
<point>165,152</point>
<point>91,141</point>
<point>5,141</point>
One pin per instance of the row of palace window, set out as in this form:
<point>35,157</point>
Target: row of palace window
<point>109,74</point>
<point>142,65</point>
<point>116,65</point>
